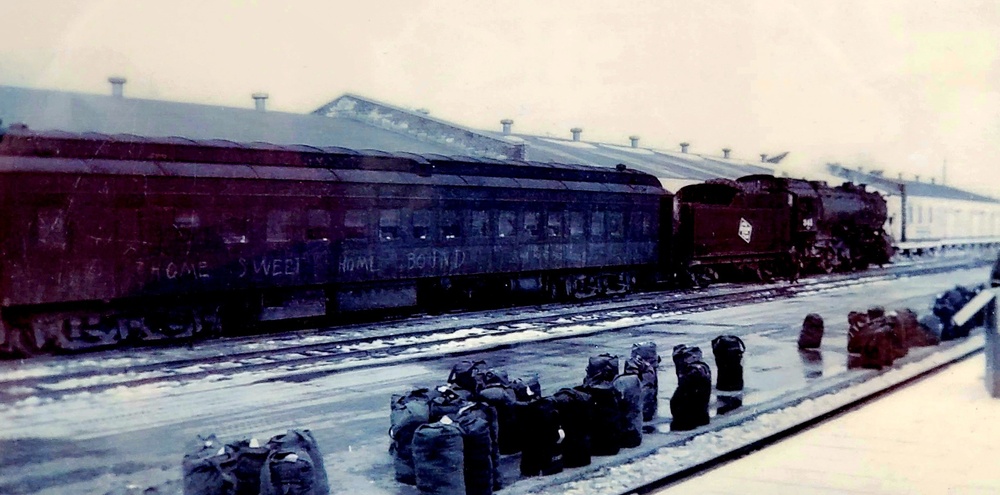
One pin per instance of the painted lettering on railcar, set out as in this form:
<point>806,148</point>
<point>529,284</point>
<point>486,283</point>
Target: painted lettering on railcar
<point>267,266</point>
<point>173,270</point>
<point>434,260</point>
<point>351,263</point>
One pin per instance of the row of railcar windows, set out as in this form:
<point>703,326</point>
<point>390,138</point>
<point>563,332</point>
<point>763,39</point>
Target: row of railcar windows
<point>52,229</point>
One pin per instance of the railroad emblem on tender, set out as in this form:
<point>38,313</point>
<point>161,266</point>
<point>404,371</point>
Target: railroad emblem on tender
<point>746,230</point>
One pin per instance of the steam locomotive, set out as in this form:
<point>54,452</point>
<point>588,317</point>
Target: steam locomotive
<point>122,240</point>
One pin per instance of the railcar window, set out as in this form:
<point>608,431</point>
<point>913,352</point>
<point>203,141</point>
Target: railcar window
<point>616,224</point>
<point>480,221</point>
<point>577,220</point>
<point>554,224</point>
<point>639,224</point>
<point>389,225</point>
<point>355,224</point>
<point>279,225</point>
<point>451,224</point>
<point>317,225</point>
<point>597,225</point>
<point>506,221</point>
<point>52,228</point>
<point>234,231</point>
<point>532,223</point>
<point>421,224</point>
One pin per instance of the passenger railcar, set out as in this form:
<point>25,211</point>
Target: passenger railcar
<point>116,239</point>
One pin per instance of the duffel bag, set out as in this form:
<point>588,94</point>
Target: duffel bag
<point>878,349</point>
<point>294,466</point>
<point>605,431</point>
<point>601,369</point>
<point>689,404</point>
<point>477,449</point>
<point>684,355</point>
<point>407,412</point>
<point>248,461</point>
<point>468,375</point>
<point>504,400</point>
<point>630,391</point>
<point>811,335</point>
<point>857,331</point>
<point>649,382</point>
<point>647,352</point>
<point>542,435</point>
<point>439,459</point>
<point>728,351</point>
<point>575,414</point>
<point>207,468</point>
<point>527,389</point>
<point>488,414</point>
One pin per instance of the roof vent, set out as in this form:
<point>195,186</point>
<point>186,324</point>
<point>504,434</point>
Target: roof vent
<point>576,133</point>
<point>634,140</point>
<point>117,86</point>
<point>423,111</point>
<point>684,147</point>
<point>916,178</point>
<point>725,152</point>
<point>763,157</point>
<point>260,101</point>
<point>506,123</point>
<point>901,176</point>
<point>933,181</point>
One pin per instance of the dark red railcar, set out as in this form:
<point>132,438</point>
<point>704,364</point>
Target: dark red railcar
<point>721,230</point>
<point>110,239</point>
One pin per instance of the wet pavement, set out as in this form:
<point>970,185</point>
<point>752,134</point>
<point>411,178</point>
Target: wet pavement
<point>122,438</point>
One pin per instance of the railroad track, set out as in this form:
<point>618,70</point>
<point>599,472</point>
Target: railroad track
<point>307,354</point>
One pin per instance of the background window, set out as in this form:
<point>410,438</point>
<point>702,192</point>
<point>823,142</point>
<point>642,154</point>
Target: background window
<point>279,226</point>
<point>355,224</point>
<point>577,220</point>
<point>317,225</point>
<point>616,225</point>
<point>52,228</point>
<point>532,223</point>
<point>597,225</point>
<point>506,221</point>
<point>480,221</point>
<point>554,224</point>
<point>451,224</point>
<point>421,224</point>
<point>389,225</point>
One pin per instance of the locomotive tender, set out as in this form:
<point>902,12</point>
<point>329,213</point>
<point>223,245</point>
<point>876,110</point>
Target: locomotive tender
<point>111,240</point>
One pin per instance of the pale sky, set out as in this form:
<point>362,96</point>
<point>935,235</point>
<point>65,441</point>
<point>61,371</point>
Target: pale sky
<point>894,85</point>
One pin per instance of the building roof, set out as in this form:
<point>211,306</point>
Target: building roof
<point>673,168</point>
<point>913,188</point>
<point>78,112</point>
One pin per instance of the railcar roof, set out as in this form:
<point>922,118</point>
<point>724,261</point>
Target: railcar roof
<point>913,188</point>
<point>55,151</point>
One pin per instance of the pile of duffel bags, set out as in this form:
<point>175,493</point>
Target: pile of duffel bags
<point>881,337</point>
<point>288,464</point>
<point>448,440</point>
<point>689,403</point>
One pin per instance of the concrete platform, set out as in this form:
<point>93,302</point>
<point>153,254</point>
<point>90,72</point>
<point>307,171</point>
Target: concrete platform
<point>938,435</point>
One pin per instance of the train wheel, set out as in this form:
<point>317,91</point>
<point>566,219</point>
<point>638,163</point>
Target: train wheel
<point>765,273</point>
<point>703,276</point>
